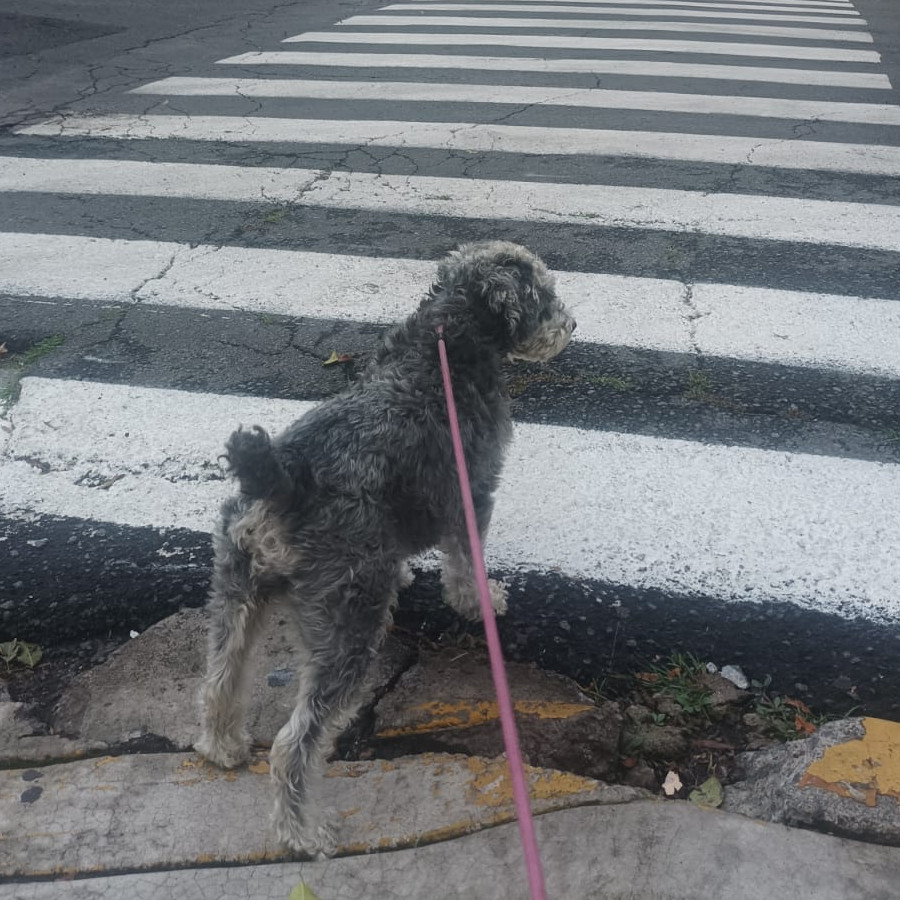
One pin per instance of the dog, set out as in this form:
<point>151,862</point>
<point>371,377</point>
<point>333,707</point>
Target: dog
<point>330,511</point>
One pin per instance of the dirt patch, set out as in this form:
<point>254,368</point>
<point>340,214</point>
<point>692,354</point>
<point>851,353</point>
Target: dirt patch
<point>42,686</point>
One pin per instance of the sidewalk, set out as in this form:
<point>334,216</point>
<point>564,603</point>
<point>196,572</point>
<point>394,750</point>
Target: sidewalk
<point>79,819</point>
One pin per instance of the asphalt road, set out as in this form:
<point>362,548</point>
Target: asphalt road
<point>188,231</point>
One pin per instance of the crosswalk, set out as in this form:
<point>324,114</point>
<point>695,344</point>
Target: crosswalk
<point>714,183</point>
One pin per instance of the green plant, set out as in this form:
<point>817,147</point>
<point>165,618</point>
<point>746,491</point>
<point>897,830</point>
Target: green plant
<point>699,385</point>
<point>612,381</point>
<point>20,653</point>
<point>40,350</point>
<point>679,680</point>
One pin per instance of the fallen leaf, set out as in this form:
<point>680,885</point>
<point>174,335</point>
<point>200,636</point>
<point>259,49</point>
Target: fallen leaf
<point>9,650</point>
<point>672,785</point>
<point>3,350</point>
<point>337,358</point>
<point>302,892</point>
<point>803,726</point>
<point>798,704</point>
<point>647,677</point>
<point>709,793</point>
<point>629,762</point>
<point>29,654</point>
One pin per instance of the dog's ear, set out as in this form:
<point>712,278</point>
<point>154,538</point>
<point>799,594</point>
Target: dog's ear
<point>500,287</point>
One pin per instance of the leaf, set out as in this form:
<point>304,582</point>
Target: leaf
<point>9,650</point>
<point>672,785</point>
<point>647,677</point>
<point>3,350</point>
<point>337,358</point>
<point>798,704</point>
<point>302,892</point>
<point>29,655</point>
<point>803,726</point>
<point>709,794</point>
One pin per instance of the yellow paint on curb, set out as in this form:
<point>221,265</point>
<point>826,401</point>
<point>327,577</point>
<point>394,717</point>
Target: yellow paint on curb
<point>439,716</point>
<point>491,787</point>
<point>861,769</point>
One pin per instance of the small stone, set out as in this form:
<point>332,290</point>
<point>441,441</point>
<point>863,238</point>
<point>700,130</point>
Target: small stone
<point>842,683</point>
<point>736,676</point>
<point>37,544</point>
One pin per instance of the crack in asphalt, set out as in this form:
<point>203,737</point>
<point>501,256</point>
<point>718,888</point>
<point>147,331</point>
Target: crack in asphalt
<point>691,316</point>
<point>159,276</point>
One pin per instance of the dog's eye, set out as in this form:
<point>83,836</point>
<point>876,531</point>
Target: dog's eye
<point>545,314</point>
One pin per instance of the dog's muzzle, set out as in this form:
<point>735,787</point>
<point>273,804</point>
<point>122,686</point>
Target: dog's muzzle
<point>548,342</point>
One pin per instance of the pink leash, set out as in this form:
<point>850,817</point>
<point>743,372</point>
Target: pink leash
<point>501,687</point>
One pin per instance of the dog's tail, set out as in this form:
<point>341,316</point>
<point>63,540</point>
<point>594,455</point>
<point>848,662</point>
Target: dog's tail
<point>253,461</point>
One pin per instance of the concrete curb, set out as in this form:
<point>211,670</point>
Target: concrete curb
<point>175,810</point>
<point>647,850</point>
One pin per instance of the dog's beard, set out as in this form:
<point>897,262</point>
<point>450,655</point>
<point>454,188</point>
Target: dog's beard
<point>545,344</point>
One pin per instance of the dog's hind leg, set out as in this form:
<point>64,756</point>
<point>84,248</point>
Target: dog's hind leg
<point>235,617</point>
<point>341,636</point>
<point>457,574</point>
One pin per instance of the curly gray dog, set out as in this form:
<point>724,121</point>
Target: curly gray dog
<point>330,511</point>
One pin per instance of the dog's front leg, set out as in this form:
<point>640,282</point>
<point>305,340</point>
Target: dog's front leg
<point>457,574</point>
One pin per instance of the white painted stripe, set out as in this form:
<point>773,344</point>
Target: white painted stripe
<point>736,215</point>
<point>840,18</point>
<point>837,7</point>
<point>834,7</point>
<point>727,522</point>
<point>816,330</point>
<point>821,330</point>
<point>644,67</point>
<point>796,32</point>
<point>582,98</point>
<point>554,41</point>
<point>869,159</point>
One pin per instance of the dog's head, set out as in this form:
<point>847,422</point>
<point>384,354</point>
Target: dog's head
<point>507,293</point>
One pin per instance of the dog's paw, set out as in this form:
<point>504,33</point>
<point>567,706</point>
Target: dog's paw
<point>467,604</point>
<point>226,751</point>
<point>499,597</point>
<point>318,841</point>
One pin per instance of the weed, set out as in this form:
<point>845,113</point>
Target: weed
<point>273,217</point>
<point>41,349</point>
<point>699,385</point>
<point>892,436</point>
<point>786,719</point>
<point>596,689</point>
<point>699,389</point>
<point>13,366</point>
<point>522,382</point>
<point>783,717</point>
<point>678,679</point>
<point>611,381</point>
